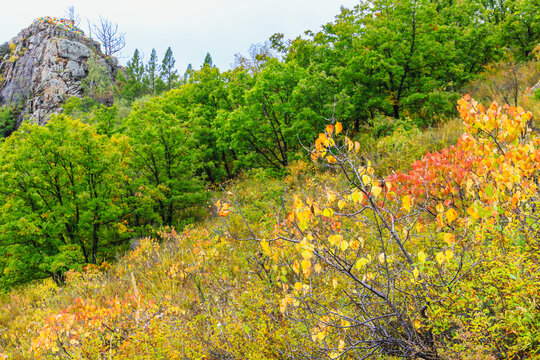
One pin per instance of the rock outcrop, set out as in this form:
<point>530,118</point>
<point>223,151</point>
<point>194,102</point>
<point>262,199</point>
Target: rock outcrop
<point>43,66</point>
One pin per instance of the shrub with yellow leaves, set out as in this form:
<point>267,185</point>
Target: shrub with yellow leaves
<point>373,268</point>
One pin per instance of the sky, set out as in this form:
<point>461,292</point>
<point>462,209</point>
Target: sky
<point>191,28</point>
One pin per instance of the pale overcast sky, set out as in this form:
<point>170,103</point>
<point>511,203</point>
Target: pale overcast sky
<point>191,28</point>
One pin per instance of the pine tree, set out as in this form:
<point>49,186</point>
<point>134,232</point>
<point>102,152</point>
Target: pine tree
<point>135,86</point>
<point>208,60</point>
<point>188,72</point>
<point>168,73</point>
<point>152,72</point>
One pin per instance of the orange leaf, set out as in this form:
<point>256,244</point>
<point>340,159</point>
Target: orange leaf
<point>339,127</point>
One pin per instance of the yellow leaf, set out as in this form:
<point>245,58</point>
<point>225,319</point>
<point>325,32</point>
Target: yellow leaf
<point>422,256</point>
<point>341,204</point>
<point>361,263</point>
<point>328,212</point>
<point>449,238</point>
<point>354,244</point>
<point>439,207</point>
<point>350,144</point>
<point>296,267</point>
<point>344,245</point>
<point>357,196</point>
<point>473,213</point>
<point>449,255</point>
<point>307,254</point>
<point>406,202</point>
<point>266,247</point>
<point>306,264</point>
<point>320,335</point>
<point>331,159</point>
<point>366,179</point>
<point>298,286</point>
<point>451,215</point>
<point>334,283</point>
<point>317,268</point>
<point>335,239</point>
<point>376,191</point>
<point>331,196</point>
<point>339,127</point>
<point>416,273</point>
<point>440,257</point>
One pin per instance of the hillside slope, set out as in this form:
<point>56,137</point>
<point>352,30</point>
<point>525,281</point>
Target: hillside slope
<point>318,274</point>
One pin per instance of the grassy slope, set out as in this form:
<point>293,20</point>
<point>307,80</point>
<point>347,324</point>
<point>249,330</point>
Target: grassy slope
<point>184,285</point>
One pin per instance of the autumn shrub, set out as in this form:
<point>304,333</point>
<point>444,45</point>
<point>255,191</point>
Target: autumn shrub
<point>192,295</point>
<point>417,264</point>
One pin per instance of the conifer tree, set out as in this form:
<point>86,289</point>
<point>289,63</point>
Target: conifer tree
<point>188,72</point>
<point>152,72</point>
<point>208,61</point>
<point>169,75</point>
<point>135,86</point>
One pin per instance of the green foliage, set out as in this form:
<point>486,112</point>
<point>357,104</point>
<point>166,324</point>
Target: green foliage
<point>76,107</point>
<point>108,120</point>
<point>134,86</point>
<point>152,72</point>
<point>521,27</point>
<point>164,159</point>
<point>267,129</point>
<point>208,61</point>
<point>187,73</point>
<point>8,122</point>
<point>97,84</point>
<point>168,74</point>
<point>395,58</point>
<point>64,191</point>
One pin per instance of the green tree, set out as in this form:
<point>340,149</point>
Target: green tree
<point>163,159</point>
<point>521,27</point>
<point>398,57</point>
<point>266,129</point>
<point>98,84</point>
<point>209,95</point>
<point>152,71</point>
<point>8,122</point>
<point>208,60</point>
<point>134,85</point>
<point>187,73</point>
<point>168,73</point>
<point>65,197</point>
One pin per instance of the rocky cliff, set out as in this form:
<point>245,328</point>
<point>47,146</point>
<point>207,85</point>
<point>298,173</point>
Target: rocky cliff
<point>44,65</point>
